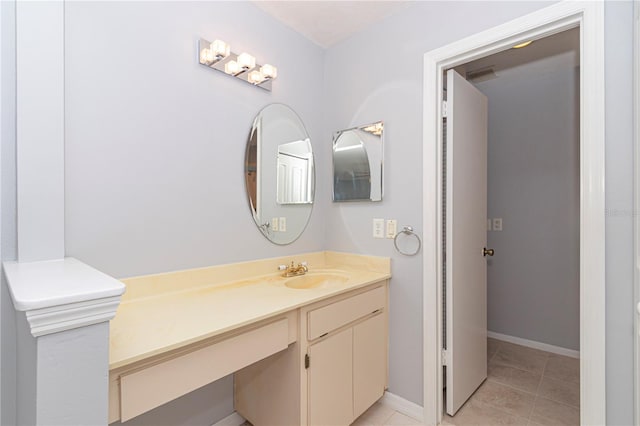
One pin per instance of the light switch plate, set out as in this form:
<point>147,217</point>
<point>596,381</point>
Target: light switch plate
<point>378,228</point>
<point>283,224</point>
<point>488,224</point>
<point>392,228</point>
<point>497,224</point>
<point>274,224</point>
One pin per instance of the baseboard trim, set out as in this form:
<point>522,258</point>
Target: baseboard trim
<point>535,345</point>
<point>403,406</point>
<point>233,419</point>
<point>389,399</point>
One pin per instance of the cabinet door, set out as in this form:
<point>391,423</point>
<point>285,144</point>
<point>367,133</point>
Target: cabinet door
<point>330,381</point>
<point>369,362</point>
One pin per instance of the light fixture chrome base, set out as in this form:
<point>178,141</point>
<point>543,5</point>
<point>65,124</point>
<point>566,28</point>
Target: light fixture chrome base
<point>219,66</point>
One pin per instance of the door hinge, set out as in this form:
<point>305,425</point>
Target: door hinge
<point>307,361</point>
<point>444,357</point>
<point>444,109</point>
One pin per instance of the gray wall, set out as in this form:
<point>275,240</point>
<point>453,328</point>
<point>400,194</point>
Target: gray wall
<point>533,281</point>
<point>619,210</point>
<point>8,208</point>
<point>155,142</point>
<point>151,135</point>
<point>361,88</point>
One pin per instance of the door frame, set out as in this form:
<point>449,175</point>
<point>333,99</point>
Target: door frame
<point>636,203</point>
<point>589,17</point>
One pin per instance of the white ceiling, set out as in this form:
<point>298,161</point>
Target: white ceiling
<point>329,22</point>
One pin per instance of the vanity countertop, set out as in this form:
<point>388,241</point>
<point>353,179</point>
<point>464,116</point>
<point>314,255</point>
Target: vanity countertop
<point>164,312</point>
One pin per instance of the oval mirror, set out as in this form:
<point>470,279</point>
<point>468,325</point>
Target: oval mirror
<point>279,174</point>
<point>357,163</point>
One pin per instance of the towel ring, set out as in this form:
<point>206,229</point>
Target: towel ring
<point>407,230</point>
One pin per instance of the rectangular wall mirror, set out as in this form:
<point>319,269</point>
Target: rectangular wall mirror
<point>357,163</point>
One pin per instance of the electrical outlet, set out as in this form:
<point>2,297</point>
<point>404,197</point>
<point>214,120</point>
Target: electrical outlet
<point>283,224</point>
<point>392,228</point>
<point>378,228</point>
<point>497,224</point>
<point>274,224</point>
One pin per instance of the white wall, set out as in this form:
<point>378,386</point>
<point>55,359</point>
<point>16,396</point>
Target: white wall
<point>533,281</point>
<point>155,142</point>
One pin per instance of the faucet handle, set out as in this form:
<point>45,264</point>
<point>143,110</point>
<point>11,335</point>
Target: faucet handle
<point>282,267</point>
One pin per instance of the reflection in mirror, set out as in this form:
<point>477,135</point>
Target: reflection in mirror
<point>357,163</point>
<point>279,174</point>
<point>295,172</point>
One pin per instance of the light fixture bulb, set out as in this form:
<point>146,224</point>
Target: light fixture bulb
<point>220,49</point>
<point>206,56</point>
<point>246,61</point>
<point>521,45</point>
<point>269,71</point>
<point>232,68</point>
<point>255,77</point>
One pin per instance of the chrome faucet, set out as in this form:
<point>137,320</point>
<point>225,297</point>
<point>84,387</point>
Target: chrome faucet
<point>292,270</point>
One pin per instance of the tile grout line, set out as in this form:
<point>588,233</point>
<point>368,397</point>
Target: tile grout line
<point>537,397</point>
<point>535,401</point>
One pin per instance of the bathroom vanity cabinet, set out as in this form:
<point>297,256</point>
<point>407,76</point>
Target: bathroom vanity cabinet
<point>305,350</point>
<point>334,372</point>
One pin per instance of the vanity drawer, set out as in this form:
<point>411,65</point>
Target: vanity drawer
<point>150,387</point>
<point>335,315</point>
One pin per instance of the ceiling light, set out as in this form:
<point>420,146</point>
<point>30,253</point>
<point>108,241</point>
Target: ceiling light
<point>521,45</point>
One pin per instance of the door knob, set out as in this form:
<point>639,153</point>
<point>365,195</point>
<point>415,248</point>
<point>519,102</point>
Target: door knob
<point>487,252</point>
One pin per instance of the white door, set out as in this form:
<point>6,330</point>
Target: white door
<point>466,238</point>
<point>292,179</point>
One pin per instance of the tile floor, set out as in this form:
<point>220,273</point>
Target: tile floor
<point>382,415</point>
<point>524,387</point>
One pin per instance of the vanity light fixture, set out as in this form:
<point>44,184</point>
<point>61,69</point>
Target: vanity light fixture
<point>269,71</point>
<point>246,61</point>
<point>232,68</point>
<point>215,52</point>
<point>255,77</point>
<point>218,56</point>
<point>375,129</point>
